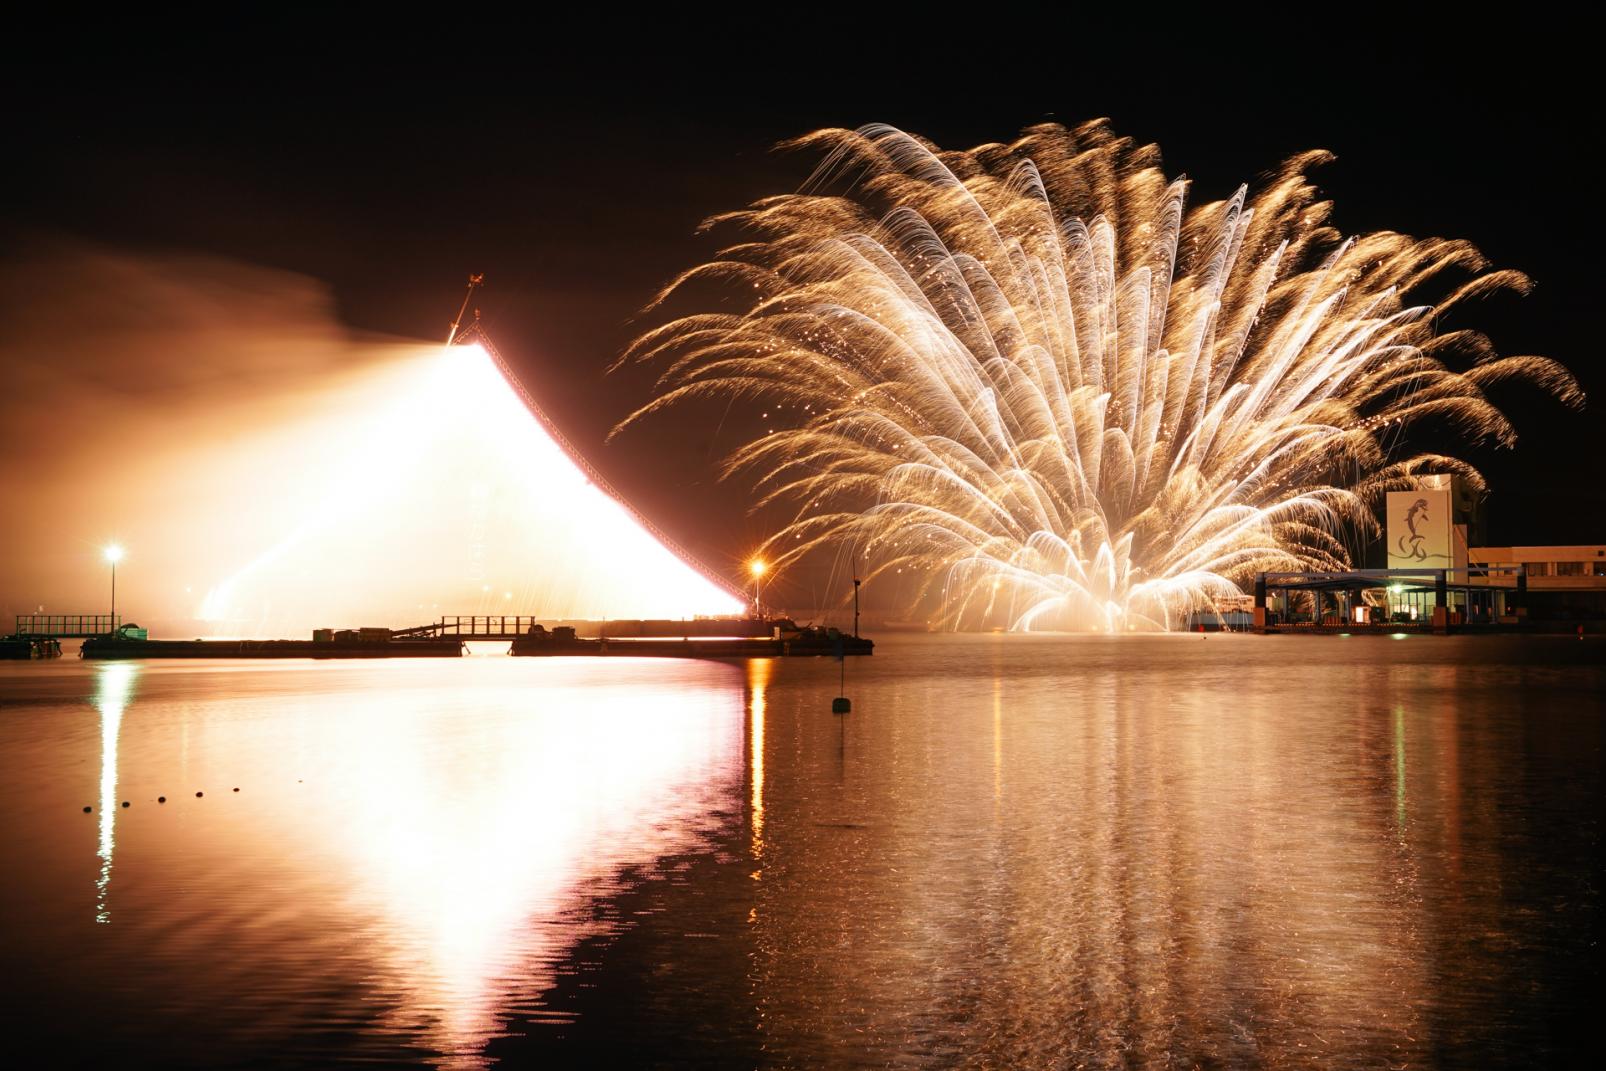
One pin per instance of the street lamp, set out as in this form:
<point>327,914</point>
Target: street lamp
<point>757,568</point>
<point>113,554</point>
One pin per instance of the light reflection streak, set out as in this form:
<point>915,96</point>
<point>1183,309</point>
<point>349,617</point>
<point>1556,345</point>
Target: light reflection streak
<point>444,841</point>
<point>998,741</point>
<point>1399,765</point>
<point>113,688</point>
<point>758,679</point>
<point>471,841</point>
<point>1157,870</point>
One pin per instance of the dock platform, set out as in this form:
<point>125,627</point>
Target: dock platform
<point>804,645</point>
<point>115,648</point>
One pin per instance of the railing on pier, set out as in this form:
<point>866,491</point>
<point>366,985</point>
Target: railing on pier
<point>67,626</point>
<point>482,627</point>
<point>511,627</point>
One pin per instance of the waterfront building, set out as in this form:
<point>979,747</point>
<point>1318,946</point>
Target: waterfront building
<point>1562,581</point>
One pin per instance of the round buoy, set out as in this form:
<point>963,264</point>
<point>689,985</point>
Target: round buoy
<point>88,809</point>
<point>125,803</point>
<point>161,799</point>
<point>198,795</point>
<point>236,790</point>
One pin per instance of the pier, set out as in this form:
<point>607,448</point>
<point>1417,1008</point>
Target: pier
<point>40,635</point>
<point>526,636</point>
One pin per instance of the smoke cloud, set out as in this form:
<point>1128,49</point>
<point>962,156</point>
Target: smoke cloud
<point>270,471</point>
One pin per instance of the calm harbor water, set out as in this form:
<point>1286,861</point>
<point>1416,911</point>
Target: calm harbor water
<point>1016,852</point>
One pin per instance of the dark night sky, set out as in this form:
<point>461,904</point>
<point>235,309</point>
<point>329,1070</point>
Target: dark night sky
<point>576,186</point>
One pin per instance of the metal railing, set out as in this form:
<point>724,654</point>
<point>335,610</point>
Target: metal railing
<point>472,627</point>
<point>485,626</point>
<point>67,626</point>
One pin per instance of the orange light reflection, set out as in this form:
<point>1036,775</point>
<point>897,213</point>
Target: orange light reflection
<point>758,679</point>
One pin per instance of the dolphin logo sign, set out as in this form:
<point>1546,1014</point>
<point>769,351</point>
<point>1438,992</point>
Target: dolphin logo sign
<point>1411,545</point>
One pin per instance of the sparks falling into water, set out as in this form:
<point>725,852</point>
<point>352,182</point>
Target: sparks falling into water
<point>1037,381</point>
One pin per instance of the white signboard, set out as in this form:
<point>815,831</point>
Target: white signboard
<point>1419,529</point>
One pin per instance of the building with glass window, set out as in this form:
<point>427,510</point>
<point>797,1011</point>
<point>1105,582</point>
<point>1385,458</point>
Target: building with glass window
<point>1562,582</point>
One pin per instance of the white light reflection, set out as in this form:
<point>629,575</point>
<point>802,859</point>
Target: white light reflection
<point>114,685</point>
<point>471,843</point>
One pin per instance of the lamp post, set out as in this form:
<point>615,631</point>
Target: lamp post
<point>757,568</point>
<point>113,554</point>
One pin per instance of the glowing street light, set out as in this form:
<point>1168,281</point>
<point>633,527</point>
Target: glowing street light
<point>757,568</point>
<point>113,554</point>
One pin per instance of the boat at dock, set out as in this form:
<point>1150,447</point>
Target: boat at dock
<point>788,641</point>
<point>24,648</point>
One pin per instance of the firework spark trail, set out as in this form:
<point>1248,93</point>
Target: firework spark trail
<point>1035,378</point>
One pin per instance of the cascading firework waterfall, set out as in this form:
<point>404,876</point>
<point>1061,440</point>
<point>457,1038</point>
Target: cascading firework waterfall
<point>1033,379</point>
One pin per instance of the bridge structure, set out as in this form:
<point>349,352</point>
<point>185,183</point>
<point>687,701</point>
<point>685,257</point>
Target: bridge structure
<point>509,627</point>
<point>481,627</point>
<point>66,626</point>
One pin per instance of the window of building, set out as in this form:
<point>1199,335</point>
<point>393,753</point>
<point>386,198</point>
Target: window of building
<point>1569,568</point>
<point>1537,568</point>
<point>1600,568</point>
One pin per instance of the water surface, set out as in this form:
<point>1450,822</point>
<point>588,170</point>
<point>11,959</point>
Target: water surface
<point>1016,851</point>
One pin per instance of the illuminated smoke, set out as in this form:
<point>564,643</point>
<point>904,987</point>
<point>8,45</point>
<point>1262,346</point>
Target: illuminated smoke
<point>268,471</point>
<point>1033,379</point>
<point>445,496</point>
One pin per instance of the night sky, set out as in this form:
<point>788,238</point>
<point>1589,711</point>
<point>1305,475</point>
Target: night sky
<point>576,184</point>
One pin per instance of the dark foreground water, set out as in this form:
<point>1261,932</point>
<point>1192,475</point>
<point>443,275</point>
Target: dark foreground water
<point>1015,852</point>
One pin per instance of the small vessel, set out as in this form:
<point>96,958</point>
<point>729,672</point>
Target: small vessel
<point>21,648</point>
<point>786,639</point>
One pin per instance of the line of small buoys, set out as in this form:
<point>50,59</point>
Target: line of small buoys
<point>159,799</point>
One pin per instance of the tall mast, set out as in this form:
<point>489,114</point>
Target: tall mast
<point>473,281</point>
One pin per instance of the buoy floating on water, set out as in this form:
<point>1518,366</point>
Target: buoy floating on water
<point>88,809</point>
<point>198,795</point>
<point>161,799</point>
<point>841,705</point>
<point>125,803</point>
